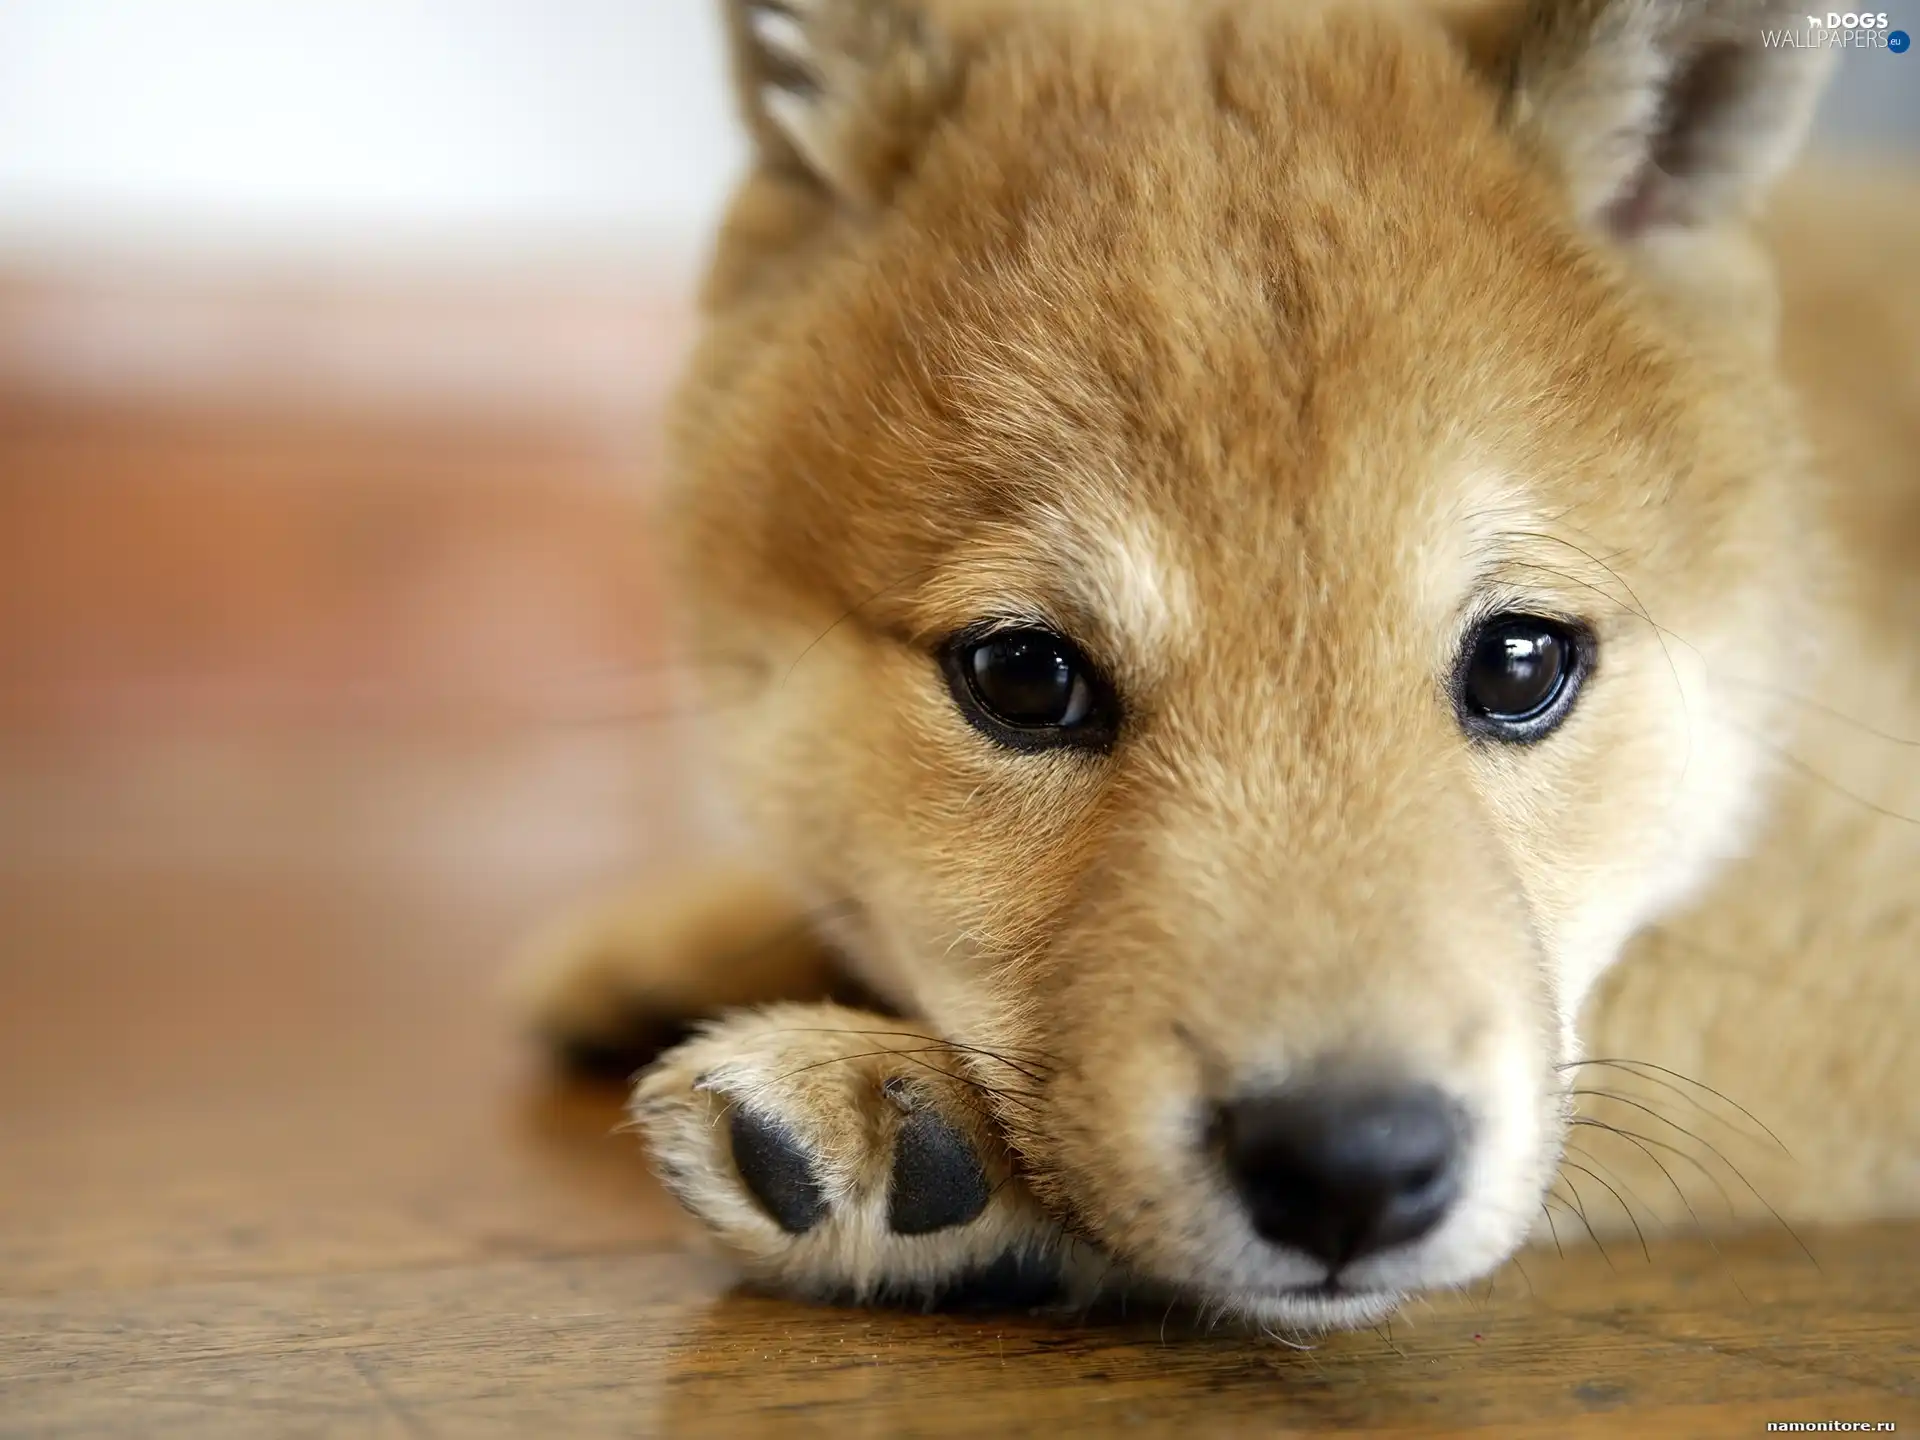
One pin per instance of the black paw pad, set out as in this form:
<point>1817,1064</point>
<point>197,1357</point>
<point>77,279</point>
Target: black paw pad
<point>937,1180</point>
<point>776,1171</point>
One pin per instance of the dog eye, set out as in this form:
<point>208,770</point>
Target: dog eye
<point>1519,674</point>
<point>1030,689</point>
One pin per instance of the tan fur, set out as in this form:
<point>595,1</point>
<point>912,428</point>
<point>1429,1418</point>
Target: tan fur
<point>718,939</point>
<point>1263,348</point>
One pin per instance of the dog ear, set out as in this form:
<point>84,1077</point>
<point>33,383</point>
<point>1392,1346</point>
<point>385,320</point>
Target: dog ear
<point>841,92</point>
<point>1659,114</point>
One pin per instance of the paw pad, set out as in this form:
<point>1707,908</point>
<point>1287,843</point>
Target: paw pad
<point>937,1178</point>
<point>776,1172</point>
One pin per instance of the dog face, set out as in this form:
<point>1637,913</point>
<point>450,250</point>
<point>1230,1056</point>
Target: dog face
<point>1268,542</point>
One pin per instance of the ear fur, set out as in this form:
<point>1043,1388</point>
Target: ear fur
<point>1661,114</point>
<point>841,92</point>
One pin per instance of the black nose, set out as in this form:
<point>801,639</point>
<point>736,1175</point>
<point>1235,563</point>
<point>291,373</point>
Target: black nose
<point>1340,1171</point>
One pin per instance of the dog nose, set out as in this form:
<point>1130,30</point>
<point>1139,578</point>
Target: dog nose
<point>1341,1171</point>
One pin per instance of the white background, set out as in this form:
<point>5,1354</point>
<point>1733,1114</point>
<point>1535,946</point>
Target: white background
<point>513,127</point>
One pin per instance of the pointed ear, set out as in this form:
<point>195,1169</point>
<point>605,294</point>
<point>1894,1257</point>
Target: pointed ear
<point>842,92</point>
<point>1661,114</point>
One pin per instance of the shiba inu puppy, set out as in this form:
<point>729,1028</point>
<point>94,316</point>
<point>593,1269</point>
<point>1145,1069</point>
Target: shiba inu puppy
<point>1334,659</point>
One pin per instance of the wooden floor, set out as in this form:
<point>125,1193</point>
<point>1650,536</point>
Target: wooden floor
<point>272,1162</point>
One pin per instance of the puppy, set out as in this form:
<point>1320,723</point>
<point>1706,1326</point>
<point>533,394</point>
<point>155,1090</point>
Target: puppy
<point>1322,645</point>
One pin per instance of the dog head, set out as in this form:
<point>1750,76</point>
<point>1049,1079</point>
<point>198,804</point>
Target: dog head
<point>1268,530</point>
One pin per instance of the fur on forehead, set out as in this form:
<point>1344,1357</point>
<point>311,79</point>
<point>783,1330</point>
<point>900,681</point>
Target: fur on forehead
<point>1174,291</point>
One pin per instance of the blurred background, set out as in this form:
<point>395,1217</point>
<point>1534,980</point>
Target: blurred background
<point>332,337</point>
<point>331,341</point>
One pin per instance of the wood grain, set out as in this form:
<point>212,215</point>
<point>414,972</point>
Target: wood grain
<point>272,1162</point>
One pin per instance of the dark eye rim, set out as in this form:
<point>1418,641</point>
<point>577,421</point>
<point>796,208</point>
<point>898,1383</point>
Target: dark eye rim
<point>1096,733</point>
<point>1583,654</point>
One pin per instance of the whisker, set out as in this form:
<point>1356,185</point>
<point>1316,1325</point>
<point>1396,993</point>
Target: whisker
<point>1703,1230</point>
<point>1827,710</point>
<point>1553,1230</point>
<point>1532,1294</point>
<point>1028,1102</point>
<point>1692,1160</point>
<point>1631,1220</point>
<point>1385,1331</point>
<point>911,1055</point>
<point>1658,1164</point>
<point>1639,611</point>
<point>1660,632</point>
<point>855,610</point>
<point>1795,763</point>
<point>1712,1149</point>
<point>1574,580</point>
<point>1634,1067</point>
<point>1580,1209</point>
<point>1275,1335</point>
<point>1779,1219</point>
<point>1631,1193</point>
<point>1038,1056</point>
<point>952,1045</point>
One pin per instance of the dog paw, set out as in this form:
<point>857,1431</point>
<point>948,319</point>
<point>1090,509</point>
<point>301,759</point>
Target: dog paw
<point>842,1156</point>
